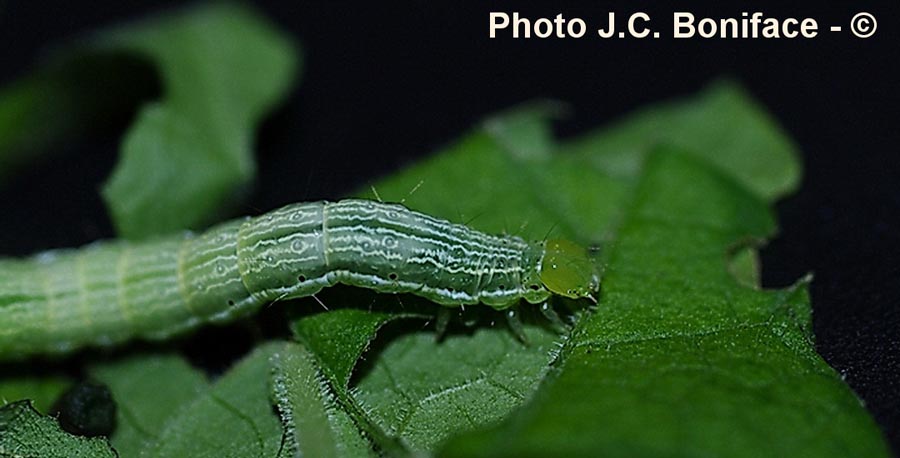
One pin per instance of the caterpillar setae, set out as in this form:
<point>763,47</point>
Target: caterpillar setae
<point>112,291</point>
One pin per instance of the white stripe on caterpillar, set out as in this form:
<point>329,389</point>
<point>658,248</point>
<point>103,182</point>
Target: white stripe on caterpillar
<point>109,292</point>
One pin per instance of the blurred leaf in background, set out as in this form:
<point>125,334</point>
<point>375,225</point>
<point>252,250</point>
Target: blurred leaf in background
<point>188,154</point>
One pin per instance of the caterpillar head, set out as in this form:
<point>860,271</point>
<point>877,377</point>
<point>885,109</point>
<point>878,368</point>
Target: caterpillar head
<point>568,271</point>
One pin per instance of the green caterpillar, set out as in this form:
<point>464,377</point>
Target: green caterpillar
<point>110,292</point>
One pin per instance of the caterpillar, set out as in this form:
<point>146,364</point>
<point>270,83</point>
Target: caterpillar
<point>112,291</point>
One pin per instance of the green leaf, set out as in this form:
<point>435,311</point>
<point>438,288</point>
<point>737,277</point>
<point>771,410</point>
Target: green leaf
<point>422,390</point>
<point>26,433</point>
<point>679,358</point>
<point>340,337</point>
<point>418,390</point>
<point>190,153</point>
<point>314,423</point>
<point>233,418</point>
<point>222,68</point>
<point>722,124</point>
<point>41,390</point>
<point>149,390</point>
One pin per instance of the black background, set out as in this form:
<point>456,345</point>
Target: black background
<point>384,84</point>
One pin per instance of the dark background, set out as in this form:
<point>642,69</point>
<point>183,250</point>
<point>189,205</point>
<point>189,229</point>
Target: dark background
<point>385,84</point>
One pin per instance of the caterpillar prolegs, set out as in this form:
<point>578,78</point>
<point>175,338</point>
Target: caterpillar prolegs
<point>109,292</point>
